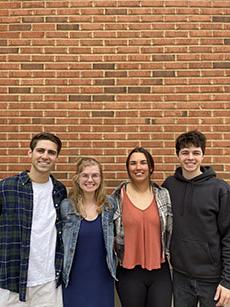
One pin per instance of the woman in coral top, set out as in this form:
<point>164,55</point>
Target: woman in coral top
<point>143,223</point>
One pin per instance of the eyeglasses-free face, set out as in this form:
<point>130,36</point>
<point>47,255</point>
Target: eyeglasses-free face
<point>43,158</point>
<point>190,159</point>
<point>138,167</point>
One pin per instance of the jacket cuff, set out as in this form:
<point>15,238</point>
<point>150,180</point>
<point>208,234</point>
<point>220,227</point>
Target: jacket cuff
<point>225,284</point>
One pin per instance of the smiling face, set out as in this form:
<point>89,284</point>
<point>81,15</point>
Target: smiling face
<point>190,159</point>
<point>43,158</point>
<point>138,168</point>
<point>90,178</point>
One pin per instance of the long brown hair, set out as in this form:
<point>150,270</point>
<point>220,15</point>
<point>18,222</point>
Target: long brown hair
<point>76,193</point>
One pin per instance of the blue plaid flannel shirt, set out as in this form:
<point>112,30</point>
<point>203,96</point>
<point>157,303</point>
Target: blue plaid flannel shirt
<point>16,209</point>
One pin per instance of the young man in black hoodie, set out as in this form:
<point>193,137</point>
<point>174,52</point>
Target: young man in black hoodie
<point>200,245</point>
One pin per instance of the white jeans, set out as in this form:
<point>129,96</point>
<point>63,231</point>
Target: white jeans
<point>46,295</point>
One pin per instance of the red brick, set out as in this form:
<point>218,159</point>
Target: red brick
<point>110,75</point>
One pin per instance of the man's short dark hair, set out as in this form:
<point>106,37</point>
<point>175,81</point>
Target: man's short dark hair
<point>191,138</point>
<point>46,136</point>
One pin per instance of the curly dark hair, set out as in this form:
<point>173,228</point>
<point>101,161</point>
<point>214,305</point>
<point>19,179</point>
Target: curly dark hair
<point>194,137</point>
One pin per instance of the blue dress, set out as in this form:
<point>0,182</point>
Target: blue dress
<point>90,283</point>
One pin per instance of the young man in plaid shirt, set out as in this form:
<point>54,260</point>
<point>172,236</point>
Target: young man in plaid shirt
<point>31,250</point>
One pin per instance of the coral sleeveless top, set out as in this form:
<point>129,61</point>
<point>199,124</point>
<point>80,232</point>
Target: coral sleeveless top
<point>142,235</point>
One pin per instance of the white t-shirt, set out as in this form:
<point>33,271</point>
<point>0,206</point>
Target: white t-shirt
<point>43,236</point>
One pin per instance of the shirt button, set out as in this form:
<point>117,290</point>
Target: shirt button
<point>56,205</point>
<point>57,273</point>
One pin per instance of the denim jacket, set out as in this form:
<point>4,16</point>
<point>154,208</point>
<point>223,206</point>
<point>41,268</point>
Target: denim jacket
<point>71,224</point>
<point>165,213</point>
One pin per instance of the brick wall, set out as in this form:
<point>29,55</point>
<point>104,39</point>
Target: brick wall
<point>109,75</point>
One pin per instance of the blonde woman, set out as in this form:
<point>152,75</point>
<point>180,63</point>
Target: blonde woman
<point>89,260</point>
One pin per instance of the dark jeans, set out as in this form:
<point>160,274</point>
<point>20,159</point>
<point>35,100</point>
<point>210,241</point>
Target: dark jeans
<point>143,288</point>
<point>188,291</point>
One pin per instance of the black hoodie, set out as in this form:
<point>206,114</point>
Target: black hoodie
<point>200,246</point>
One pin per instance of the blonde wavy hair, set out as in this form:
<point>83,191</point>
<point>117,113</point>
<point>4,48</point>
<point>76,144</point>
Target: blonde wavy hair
<point>76,193</point>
